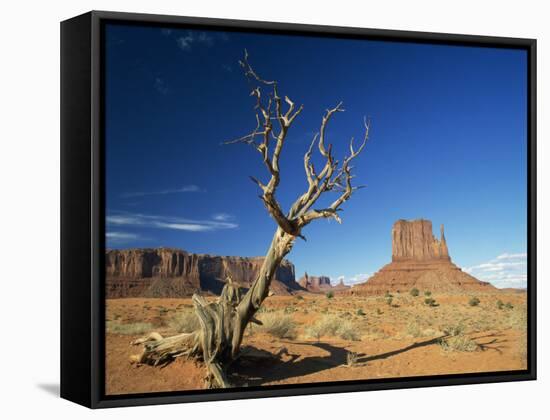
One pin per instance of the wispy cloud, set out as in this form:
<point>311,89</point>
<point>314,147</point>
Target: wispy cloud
<point>222,217</point>
<point>184,189</point>
<point>351,280</point>
<point>168,222</point>
<point>191,39</point>
<point>505,270</point>
<point>116,238</point>
<point>160,86</point>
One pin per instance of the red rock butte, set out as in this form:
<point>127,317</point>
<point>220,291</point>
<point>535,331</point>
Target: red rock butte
<point>420,260</point>
<point>320,284</point>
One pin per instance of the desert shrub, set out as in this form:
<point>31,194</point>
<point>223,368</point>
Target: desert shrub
<point>299,297</point>
<point>184,322</point>
<point>509,305</point>
<point>427,293</point>
<point>414,292</point>
<point>330,294</point>
<point>278,325</point>
<point>413,329</point>
<point>454,330</point>
<point>430,302</point>
<point>348,331</point>
<point>387,294</point>
<point>351,359</point>
<point>379,311</point>
<point>389,300</point>
<point>473,301</point>
<point>333,326</point>
<point>500,304</point>
<point>360,312</point>
<point>135,328</point>
<point>458,343</point>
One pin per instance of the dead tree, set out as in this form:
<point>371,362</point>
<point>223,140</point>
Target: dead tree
<point>223,322</point>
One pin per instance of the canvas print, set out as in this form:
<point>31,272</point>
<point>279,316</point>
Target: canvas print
<point>290,209</point>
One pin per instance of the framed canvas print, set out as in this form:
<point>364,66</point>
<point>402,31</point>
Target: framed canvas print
<point>256,209</point>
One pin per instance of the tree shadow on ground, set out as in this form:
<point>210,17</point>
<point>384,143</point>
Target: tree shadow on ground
<point>272,369</point>
<point>494,343</point>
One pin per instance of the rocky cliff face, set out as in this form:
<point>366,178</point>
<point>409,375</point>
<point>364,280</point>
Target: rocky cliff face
<point>414,240</point>
<point>422,261</point>
<point>164,272</point>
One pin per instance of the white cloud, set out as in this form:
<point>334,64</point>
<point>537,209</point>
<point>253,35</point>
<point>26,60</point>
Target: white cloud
<point>121,235</point>
<point>222,217</point>
<point>351,280</point>
<point>187,41</point>
<point>184,42</point>
<point>116,238</point>
<point>184,189</point>
<point>168,222</point>
<point>512,256</point>
<point>505,270</point>
<point>160,86</point>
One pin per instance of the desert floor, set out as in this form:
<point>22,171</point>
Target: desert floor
<point>322,339</point>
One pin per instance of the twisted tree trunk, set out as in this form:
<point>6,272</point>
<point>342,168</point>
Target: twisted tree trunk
<point>223,322</point>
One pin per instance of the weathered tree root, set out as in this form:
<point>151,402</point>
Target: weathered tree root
<point>211,342</point>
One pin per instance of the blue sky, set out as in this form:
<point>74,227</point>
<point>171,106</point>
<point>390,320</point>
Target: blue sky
<point>448,143</point>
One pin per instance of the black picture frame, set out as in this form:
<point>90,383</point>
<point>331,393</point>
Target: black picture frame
<point>83,210</point>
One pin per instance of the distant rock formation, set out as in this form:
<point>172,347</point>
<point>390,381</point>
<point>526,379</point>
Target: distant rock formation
<point>167,272</point>
<point>319,284</point>
<point>419,260</point>
<point>414,240</point>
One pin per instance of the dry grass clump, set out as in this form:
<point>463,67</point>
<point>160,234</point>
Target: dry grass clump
<point>454,330</point>
<point>135,328</point>
<point>458,343</point>
<point>517,318</point>
<point>184,322</point>
<point>333,326</point>
<point>278,325</point>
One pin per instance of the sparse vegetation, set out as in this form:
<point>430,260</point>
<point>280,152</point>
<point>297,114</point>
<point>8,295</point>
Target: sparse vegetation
<point>500,304</point>
<point>474,301</point>
<point>413,329</point>
<point>333,326</point>
<point>414,292</point>
<point>430,302</point>
<point>509,305</point>
<point>278,325</point>
<point>454,330</point>
<point>329,294</point>
<point>458,343</point>
<point>134,328</point>
<point>184,322</point>
<point>427,293</point>
<point>360,312</point>
<point>389,300</point>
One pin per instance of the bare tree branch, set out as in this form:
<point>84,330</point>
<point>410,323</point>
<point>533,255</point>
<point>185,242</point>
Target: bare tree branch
<point>222,323</point>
